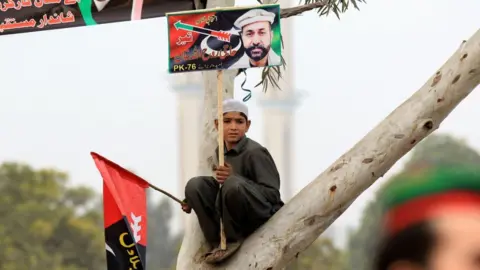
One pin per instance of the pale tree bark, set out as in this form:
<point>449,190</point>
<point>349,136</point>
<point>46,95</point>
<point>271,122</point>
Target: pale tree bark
<point>321,202</point>
<point>194,243</point>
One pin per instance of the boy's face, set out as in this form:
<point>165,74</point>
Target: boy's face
<point>235,125</point>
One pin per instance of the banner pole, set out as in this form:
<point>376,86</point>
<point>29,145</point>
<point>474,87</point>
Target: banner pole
<point>221,157</point>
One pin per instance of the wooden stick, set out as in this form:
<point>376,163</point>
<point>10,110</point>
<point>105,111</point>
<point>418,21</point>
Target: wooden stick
<point>160,190</point>
<point>166,193</point>
<point>221,158</point>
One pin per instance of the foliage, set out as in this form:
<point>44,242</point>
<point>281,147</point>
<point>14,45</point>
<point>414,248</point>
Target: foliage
<point>45,224</point>
<point>438,150</point>
<point>363,242</point>
<point>444,150</point>
<point>163,247</point>
<point>321,255</point>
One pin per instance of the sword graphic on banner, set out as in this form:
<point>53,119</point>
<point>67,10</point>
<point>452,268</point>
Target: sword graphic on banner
<point>220,35</point>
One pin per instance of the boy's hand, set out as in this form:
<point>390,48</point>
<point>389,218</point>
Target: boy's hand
<point>222,173</point>
<point>186,208</point>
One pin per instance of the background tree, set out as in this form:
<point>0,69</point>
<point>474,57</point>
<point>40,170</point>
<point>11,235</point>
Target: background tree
<point>321,255</point>
<point>437,150</point>
<point>444,149</point>
<point>162,244</point>
<point>45,224</point>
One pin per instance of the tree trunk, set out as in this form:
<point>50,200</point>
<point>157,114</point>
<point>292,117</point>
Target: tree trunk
<point>194,243</point>
<point>321,202</point>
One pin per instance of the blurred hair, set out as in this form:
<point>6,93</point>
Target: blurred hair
<point>414,244</point>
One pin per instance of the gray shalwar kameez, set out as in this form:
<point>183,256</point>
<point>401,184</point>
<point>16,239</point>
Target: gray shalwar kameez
<point>248,198</point>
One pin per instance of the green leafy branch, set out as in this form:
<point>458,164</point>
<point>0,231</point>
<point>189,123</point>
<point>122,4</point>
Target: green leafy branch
<point>271,75</point>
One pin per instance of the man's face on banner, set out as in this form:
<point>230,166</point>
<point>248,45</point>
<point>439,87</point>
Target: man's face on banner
<point>257,39</point>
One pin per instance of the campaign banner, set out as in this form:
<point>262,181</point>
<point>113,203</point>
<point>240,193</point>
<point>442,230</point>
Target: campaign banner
<point>20,16</point>
<point>224,38</point>
<point>125,216</point>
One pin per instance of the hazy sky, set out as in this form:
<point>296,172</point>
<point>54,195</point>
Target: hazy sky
<point>65,93</point>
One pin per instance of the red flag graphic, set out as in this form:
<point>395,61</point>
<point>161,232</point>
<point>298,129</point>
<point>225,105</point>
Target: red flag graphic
<point>125,215</point>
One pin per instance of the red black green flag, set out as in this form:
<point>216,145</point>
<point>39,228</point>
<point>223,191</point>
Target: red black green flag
<point>125,216</point>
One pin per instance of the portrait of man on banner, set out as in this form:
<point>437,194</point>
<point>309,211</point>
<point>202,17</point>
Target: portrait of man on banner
<point>256,34</point>
<point>229,38</point>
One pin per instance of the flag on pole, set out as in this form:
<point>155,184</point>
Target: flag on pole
<point>125,216</point>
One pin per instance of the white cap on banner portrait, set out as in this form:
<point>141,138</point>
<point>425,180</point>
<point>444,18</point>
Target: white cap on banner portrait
<point>233,105</point>
<point>254,15</point>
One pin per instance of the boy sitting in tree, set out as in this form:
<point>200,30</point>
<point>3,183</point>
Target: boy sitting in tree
<point>250,194</point>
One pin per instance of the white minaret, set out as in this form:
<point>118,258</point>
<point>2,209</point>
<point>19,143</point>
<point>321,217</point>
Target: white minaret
<point>189,89</point>
<point>278,113</point>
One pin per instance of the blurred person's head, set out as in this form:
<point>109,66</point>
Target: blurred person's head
<point>432,221</point>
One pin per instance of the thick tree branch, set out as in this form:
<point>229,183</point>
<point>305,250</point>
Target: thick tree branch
<point>293,11</point>
<point>321,202</point>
